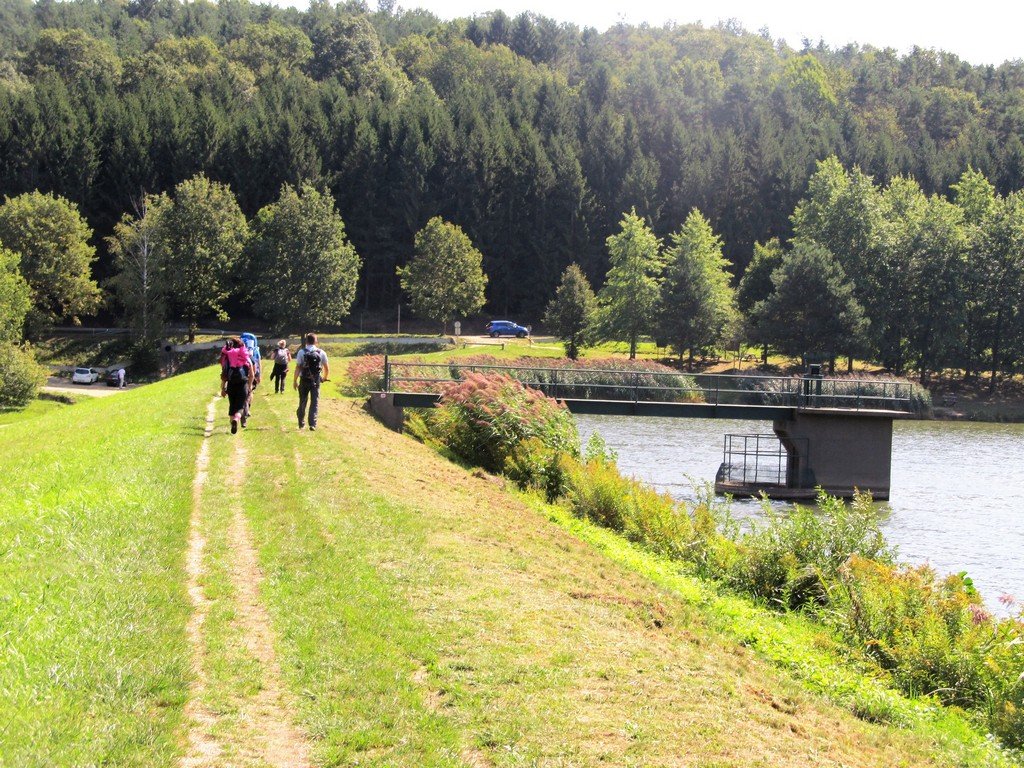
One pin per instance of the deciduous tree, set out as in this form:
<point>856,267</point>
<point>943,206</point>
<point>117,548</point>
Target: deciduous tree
<point>445,277</point>
<point>52,239</point>
<point>301,268</point>
<point>938,263</point>
<point>202,233</point>
<point>141,281</point>
<point>14,298</point>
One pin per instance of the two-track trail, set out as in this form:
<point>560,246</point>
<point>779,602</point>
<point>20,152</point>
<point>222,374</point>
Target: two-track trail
<point>239,711</point>
<point>362,601</point>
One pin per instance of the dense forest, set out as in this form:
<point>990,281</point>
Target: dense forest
<point>532,136</point>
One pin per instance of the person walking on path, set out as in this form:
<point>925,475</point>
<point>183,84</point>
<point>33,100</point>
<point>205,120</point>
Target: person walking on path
<point>121,378</point>
<point>311,369</point>
<point>236,379</point>
<point>281,357</point>
<point>252,347</point>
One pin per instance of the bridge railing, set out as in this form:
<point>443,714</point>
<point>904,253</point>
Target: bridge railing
<point>642,385</point>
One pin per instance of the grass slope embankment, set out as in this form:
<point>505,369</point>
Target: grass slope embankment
<point>36,408</point>
<point>428,617</point>
<point>362,599</point>
<point>92,613</point>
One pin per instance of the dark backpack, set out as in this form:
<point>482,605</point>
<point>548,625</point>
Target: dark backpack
<point>238,374</point>
<point>312,364</point>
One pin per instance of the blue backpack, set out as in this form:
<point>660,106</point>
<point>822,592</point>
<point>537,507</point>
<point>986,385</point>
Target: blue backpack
<point>253,346</point>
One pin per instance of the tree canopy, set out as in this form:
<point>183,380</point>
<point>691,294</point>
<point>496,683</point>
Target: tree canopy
<point>52,241</point>
<point>141,281</point>
<point>201,234</point>
<point>572,312</point>
<point>698,303</point>
<point>812,309</point>
<point>300,269</point>
<point>14,301</point>
<point>629,297</point>
<point>534,136</point>
<point>445,277</point>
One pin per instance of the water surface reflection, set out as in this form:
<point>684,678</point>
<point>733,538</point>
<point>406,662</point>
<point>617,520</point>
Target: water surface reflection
<point>957,496</point>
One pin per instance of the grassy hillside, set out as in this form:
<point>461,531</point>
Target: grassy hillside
<point>92,531</point>
<point>360,601</point>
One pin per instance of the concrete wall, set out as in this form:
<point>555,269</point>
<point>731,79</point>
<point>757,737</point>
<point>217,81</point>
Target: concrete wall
<point>843,451</point>
<point>382,406</point>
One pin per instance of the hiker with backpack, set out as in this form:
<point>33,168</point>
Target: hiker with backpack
<point>281,357</point>
<point>311,369</point>
<point>236,379</point>
<point>252,346</point>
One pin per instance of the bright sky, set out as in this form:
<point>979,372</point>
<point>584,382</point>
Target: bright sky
<point>980,31</point>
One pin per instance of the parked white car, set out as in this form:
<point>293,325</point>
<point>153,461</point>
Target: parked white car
<point>85,376</point>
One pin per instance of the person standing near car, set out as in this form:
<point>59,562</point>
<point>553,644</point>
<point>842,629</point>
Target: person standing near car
<point>281,358</point>
<point>311,369</point>
<point>120,378</point>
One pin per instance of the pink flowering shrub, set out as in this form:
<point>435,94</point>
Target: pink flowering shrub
<point>366,374</point>
<point>485,417</point>
<point>610,378</point>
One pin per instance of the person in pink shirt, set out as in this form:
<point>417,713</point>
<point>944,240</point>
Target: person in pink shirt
<point>236,379</point>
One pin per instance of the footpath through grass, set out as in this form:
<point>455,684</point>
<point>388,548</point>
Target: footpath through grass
<point>427,617</point>
<point>364,600</point>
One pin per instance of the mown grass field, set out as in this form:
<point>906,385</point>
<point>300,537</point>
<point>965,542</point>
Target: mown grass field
<point>91,603</point>
<point>38,407</point>
<point>366,602</point>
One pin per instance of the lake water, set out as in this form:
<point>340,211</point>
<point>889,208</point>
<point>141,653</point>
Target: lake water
<point>956,501</point>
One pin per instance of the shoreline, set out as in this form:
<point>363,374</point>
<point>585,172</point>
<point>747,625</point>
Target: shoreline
<point>953,414</point>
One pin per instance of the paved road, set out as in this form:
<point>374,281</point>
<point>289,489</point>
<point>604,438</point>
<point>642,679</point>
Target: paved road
<point>64,386</point>
<point>487,340</point>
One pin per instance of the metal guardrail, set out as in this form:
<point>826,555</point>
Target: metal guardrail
<point>638,385</point>
<point>755,459</point>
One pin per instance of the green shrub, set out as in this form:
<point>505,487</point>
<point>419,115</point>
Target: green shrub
<point>935,637</point>
<point>911,624</point>
<point>611,378</point>
<point>145,358</point>
<point>659,522</point>
<point>484,418</point>
<point>597,491</point>
<point>764,573</point>
<point>533,465</point>
<point>417,425</point>
<point>791,557</point>
<point>20,376</point>
<point>712,554</point>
